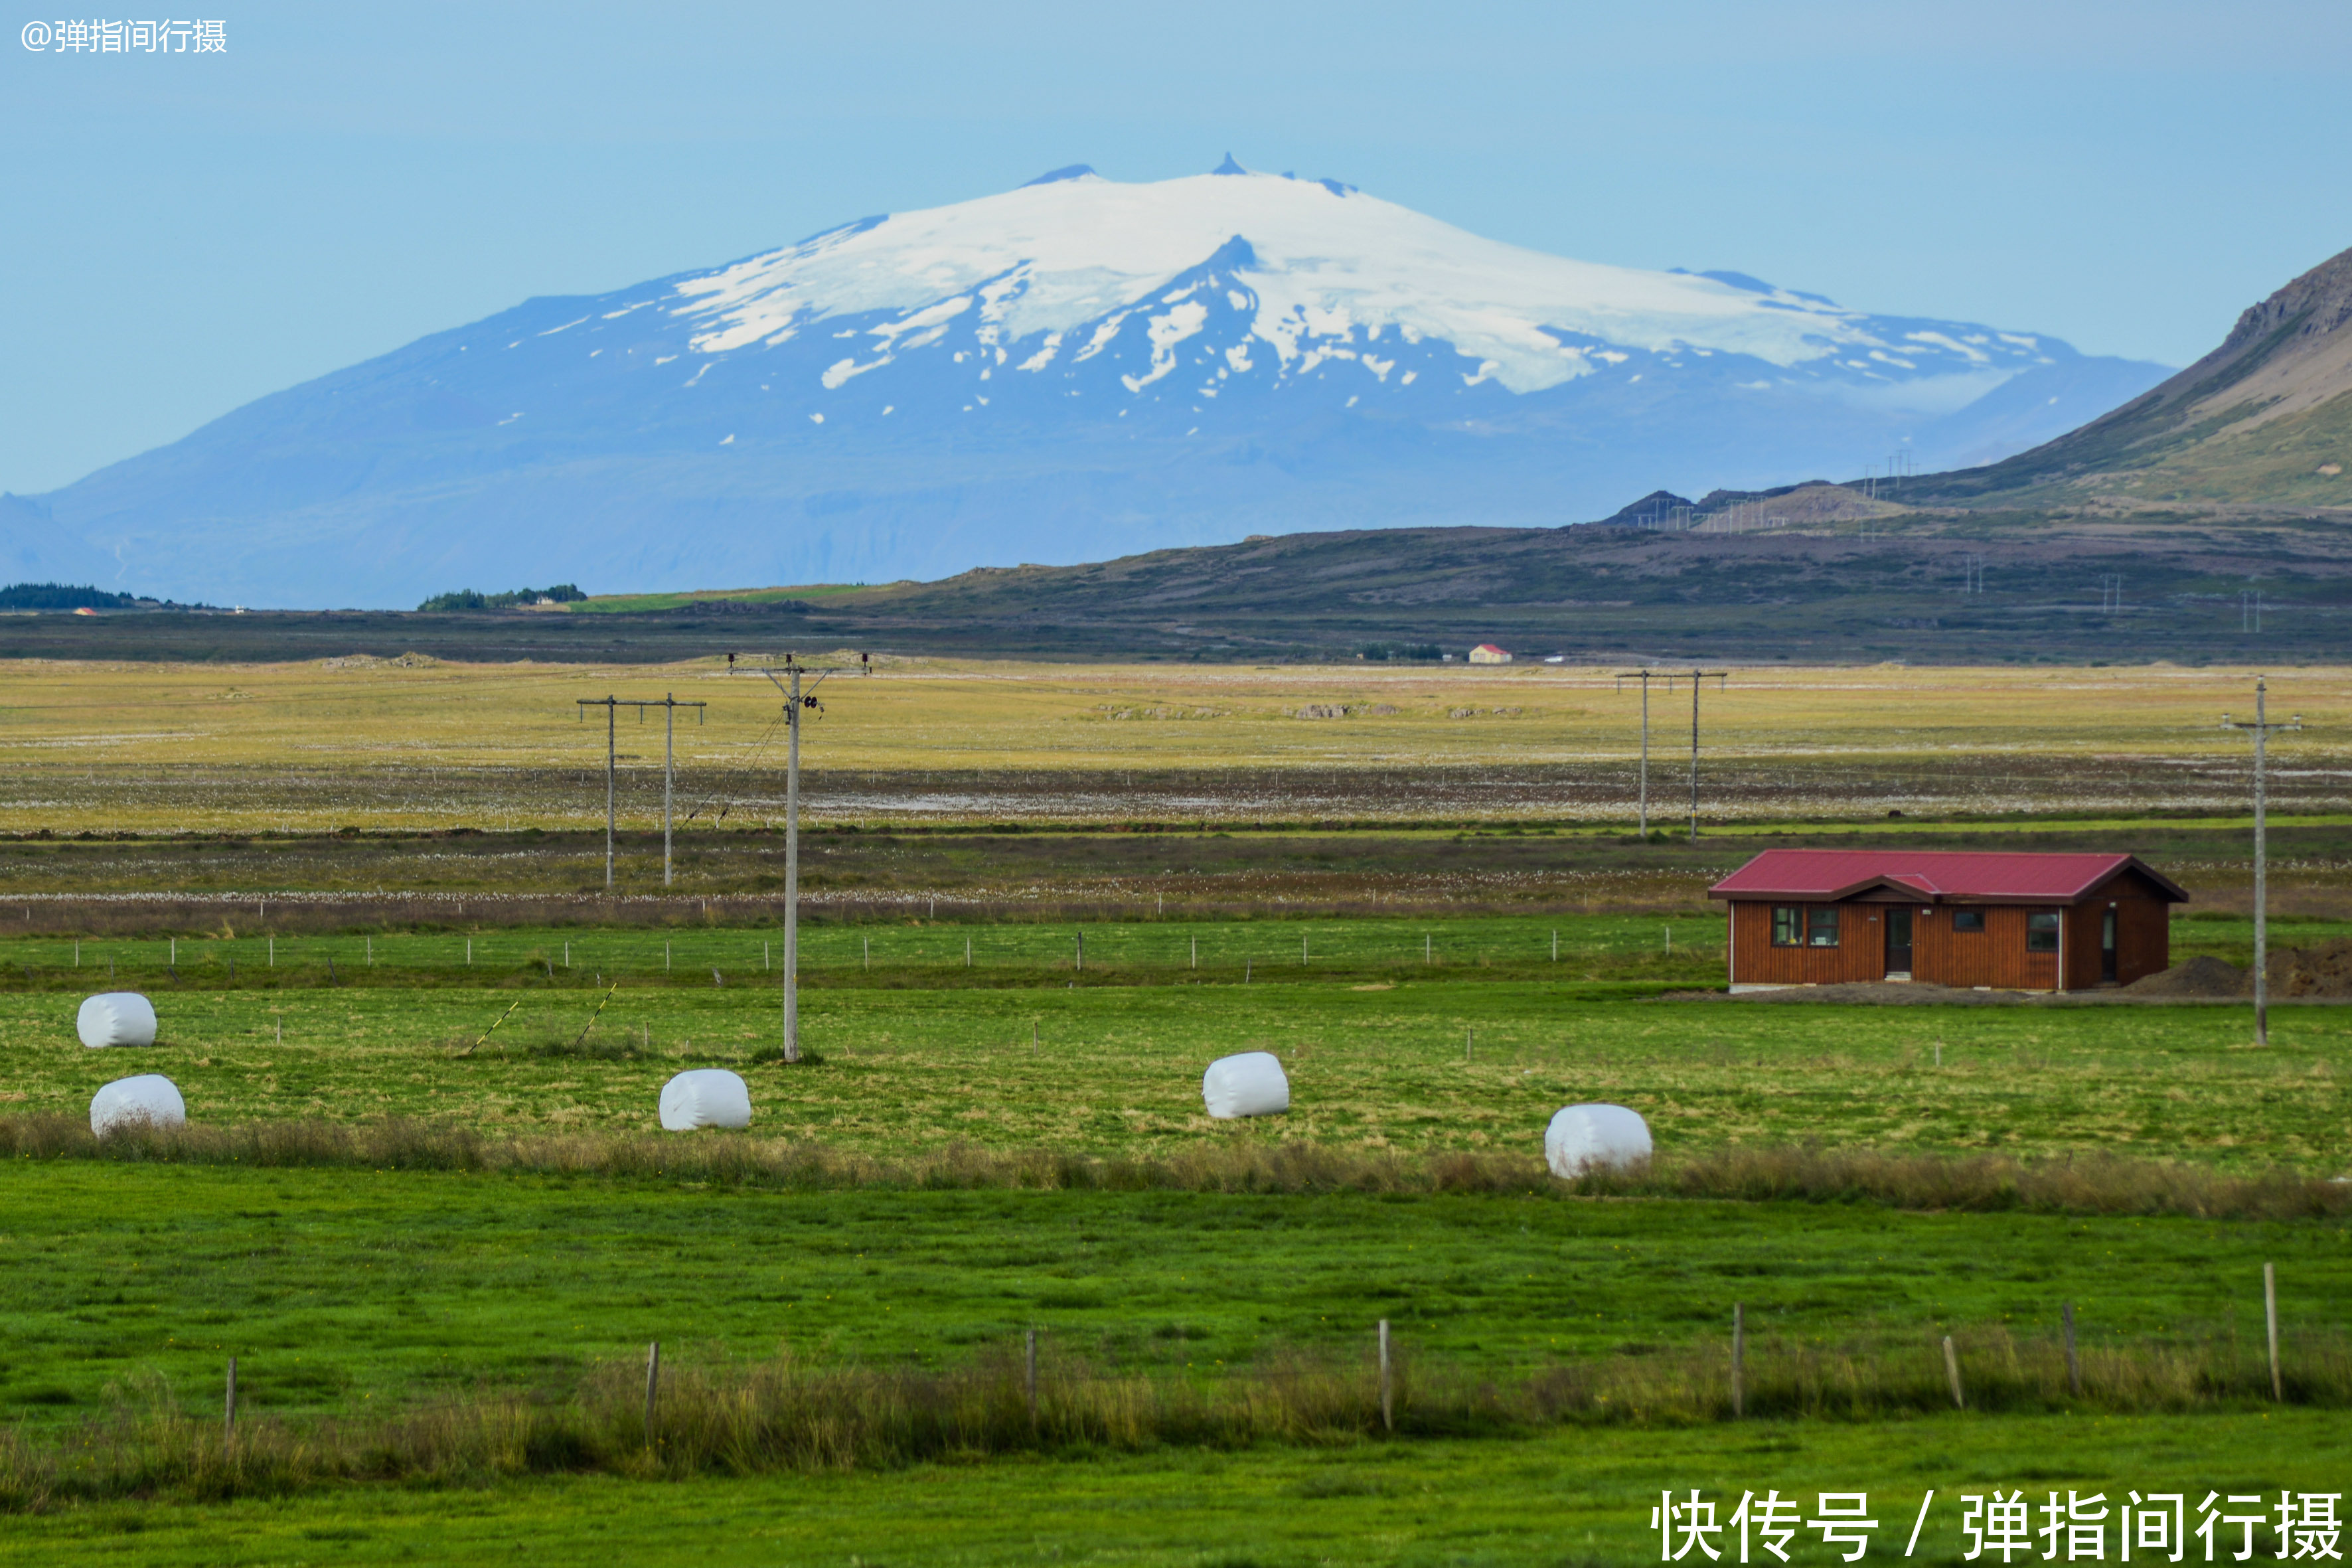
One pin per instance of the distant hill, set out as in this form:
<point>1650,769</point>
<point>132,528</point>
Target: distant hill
<point>1075,370</point>
<point>1838,579</point>
<point>2202,520</point>
<point>2263,422</point>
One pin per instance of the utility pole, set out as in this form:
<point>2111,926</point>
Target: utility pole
<point>611,706</point>
<point>788,681</point>
<point>670,705</point>
<point>2249,609</point>
<point>1697,677</point>
<point>2262,727</point>
<point>1644,677</point>
<point>2111,593</point>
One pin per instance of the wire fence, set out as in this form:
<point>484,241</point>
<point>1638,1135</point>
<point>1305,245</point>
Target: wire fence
<point>733,955</point>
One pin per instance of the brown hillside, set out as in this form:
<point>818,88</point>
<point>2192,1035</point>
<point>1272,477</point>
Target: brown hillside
<point>2265,421</point>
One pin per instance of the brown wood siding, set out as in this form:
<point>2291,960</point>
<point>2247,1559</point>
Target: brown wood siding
<point>2144,943</point>
<point>2143,933</point>
<point>2082,944</point>
<point>1860,954</point>
<point>1945,956</point>
<point>1995,956</point>
<point>2013,968</point>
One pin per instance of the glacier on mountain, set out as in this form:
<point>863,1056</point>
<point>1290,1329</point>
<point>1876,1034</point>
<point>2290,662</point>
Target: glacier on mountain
<point>1072,369</point>
<point>1044,259</point>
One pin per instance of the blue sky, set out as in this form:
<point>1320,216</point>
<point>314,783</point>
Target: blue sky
<point>179,235</point>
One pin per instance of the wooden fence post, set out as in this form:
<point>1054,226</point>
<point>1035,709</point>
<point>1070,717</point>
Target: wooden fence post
<point>1952,1370</point>
<point>2073,1361</point>
<point>228,1412</point>
<point>2270,1313</point>
<point>1738,1361</point>
<point>1388,1404</point>
<point>653,1384</point>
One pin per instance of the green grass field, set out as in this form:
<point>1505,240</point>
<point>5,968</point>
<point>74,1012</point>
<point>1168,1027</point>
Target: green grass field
<point>1564,1353</point>
<point>1683,946</point>
<point>1407,1065</point>
<point>347,1293</point>
<point>1580,1497</point>
<point>342,1292</point>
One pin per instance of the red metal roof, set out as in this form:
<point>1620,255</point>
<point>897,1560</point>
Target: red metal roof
<point>1934,874</point>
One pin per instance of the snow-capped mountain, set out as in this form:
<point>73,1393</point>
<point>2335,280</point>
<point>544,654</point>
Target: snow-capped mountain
<point>1074,369</point>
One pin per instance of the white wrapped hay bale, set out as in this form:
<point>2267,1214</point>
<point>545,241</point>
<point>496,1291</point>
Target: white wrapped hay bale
<point>1595,1137</point>
<point>116,1018</point>
<point>705,1097</point>
<point>150,1099</point>
<point>1251,1084</point>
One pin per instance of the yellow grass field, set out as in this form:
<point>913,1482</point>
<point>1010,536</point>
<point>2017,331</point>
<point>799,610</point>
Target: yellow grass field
<point>376,744</point>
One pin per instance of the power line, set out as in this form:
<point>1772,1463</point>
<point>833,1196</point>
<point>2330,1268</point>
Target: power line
<point>1644,677</point>
<point>1697,677</point>
<point>669,705</point>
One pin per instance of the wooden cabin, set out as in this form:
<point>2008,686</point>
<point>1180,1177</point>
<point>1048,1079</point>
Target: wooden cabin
<point>1987,921</point>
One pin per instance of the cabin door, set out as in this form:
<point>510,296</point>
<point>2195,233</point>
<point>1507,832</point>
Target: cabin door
<point>1899,943</point>
<point>2108,948</point>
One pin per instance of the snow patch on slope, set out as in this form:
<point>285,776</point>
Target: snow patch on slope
<point>1323,265</point>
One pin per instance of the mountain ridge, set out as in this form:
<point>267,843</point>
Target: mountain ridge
<point>1073,369</point>
<point>2257,423</point>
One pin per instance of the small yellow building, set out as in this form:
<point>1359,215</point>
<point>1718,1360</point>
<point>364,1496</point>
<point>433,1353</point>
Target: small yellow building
<point>1487,653</point>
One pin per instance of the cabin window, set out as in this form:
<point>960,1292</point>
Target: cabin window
<point>1821,926</point>
<point>1967,919</point>
<point>1788,925</point>
<point>2041,931</point>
